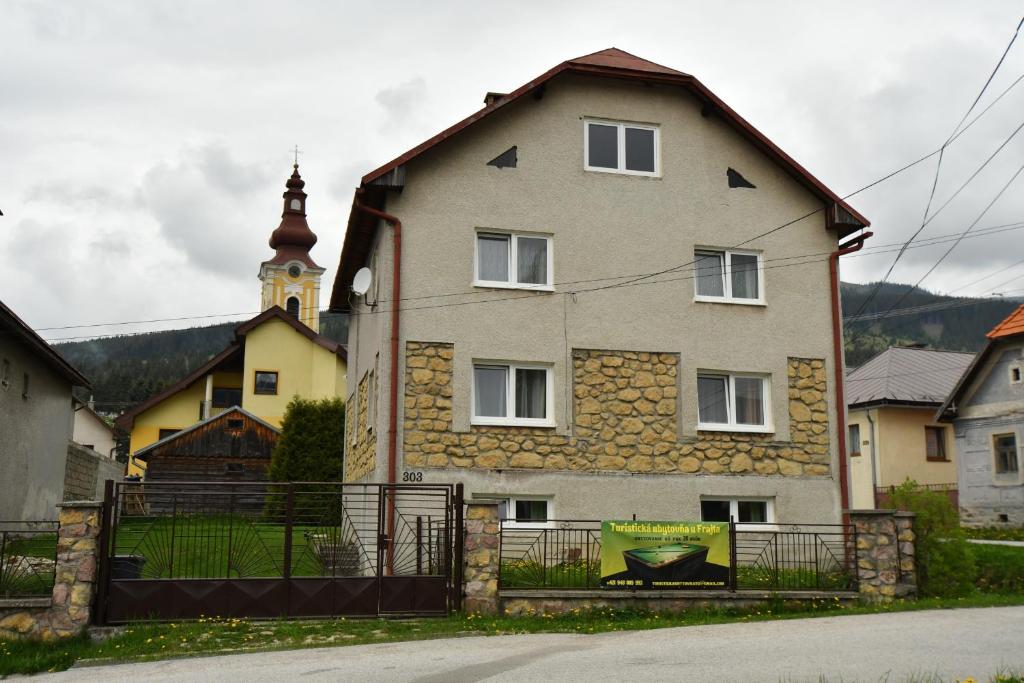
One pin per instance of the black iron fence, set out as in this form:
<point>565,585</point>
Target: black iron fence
<point>566,554</point>
<point>28,558</point>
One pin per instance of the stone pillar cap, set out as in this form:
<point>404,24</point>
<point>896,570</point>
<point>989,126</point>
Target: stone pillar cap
<point>872,512</point>
<point>80,504</point>
<point>484,501</point>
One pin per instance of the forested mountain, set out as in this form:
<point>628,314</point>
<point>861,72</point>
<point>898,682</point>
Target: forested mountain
<point>127,369</point>
<point>940,322</point>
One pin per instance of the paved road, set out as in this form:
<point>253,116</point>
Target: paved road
<point>951,643</point>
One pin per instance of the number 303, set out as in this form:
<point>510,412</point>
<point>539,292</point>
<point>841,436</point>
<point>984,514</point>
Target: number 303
<point>412,476</point>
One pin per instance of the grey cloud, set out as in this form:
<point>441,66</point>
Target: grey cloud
<point>403,102</point>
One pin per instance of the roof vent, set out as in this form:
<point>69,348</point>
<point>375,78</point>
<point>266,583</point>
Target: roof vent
<point>492,97</point>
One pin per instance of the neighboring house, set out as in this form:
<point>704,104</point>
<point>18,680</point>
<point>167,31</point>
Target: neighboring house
<point>987,411</point>
<point>35,421</point>
<point>893,433</point>
<point>92,431</point>
<point>232,446</point>
<point>275,356</point>
<point>526,373</point>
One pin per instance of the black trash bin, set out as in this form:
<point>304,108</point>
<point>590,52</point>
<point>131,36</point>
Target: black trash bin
<point>127,566</point>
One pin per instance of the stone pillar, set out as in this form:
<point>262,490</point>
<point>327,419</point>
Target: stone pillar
<point>68,610</point>
<point>885,553</point>
<point>483,529</point>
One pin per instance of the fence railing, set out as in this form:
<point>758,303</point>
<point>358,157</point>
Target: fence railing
<point>28,558</point>
<point>176,530</point>
<point>566,554</point>
<point>883,494</point>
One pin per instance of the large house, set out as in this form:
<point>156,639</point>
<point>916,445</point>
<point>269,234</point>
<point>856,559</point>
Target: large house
<point>275,356</point>
<point>893,434</point>
<point>583,303</point>
<point>986,408</point>
<point>36,418</point>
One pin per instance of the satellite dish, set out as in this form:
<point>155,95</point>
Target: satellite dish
<point>361,282</point>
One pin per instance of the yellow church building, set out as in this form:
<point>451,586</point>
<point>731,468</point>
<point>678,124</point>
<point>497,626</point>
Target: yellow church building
<point>275,356</point>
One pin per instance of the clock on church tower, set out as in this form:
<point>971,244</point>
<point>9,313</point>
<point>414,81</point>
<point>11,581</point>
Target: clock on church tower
<point>291,279</point>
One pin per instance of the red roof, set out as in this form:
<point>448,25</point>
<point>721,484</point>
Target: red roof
<point>1014,324</point>
<point>612,63</point>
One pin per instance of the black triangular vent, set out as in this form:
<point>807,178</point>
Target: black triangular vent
<point>506,159</point>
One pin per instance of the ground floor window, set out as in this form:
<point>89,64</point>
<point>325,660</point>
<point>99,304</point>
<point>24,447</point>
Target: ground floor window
<point>512,394</point>
<point>525,510</point>
<point>935,443</point>
<point>1005,446</point>
<point>742,510</point>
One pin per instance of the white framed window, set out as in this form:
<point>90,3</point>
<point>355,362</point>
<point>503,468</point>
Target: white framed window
<point>743,510</point>
<point>727,276</point>
<point>513,260</point>
<point>371,400</point>
<point>615,147</point>
<point>512,394</point>
<point>524,511</point>
<point>733,402</point>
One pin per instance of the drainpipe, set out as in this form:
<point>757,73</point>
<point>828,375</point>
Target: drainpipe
<point>396,298</point>
<point>837,352</point>
<point>208,397</point>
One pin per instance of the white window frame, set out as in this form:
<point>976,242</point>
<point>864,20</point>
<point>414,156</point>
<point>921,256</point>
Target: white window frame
<point>510,397</point>
<point>352,421</point>
<point>732,425</point>
<point>513,261</point>
<point>770,522</point>
<point>510,502</point>
<point>371,400</point>
<point>621,141</point>
<point>727,297</point>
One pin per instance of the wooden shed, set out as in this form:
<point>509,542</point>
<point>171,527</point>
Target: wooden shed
<point>232,446</point>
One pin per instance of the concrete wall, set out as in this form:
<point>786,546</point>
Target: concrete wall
<point>606,225</point>
<point>34,436</point>
<point>86,472</point>
<point>991,405</point>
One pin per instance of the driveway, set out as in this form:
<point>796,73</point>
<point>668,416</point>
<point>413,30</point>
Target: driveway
<point>953,644</point>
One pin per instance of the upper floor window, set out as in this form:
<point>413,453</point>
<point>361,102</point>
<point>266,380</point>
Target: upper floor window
<point>732,402</point>
<point>728,276</point>
<point>854,446</point>
<point>226,397</point>
<point>265,382</point>
<point>513,260</point>
<point>512,394</point>
<point>935,443</point>
<point>621,148</point>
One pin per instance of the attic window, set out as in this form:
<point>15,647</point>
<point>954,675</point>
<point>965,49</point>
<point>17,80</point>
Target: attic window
<point>507,159</point>
<point>235,424</point>
<point>234,468</point>
<point>1015,374</point>
<point>626,148</point>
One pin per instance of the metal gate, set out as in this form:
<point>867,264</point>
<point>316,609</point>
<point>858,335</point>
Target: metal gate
<point>184,550</point>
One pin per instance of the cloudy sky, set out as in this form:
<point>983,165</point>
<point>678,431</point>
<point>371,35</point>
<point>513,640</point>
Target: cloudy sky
<point>144,144</point>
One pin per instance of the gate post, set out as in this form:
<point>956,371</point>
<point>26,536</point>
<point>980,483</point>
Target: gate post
<point>456,537</point>
<point>104,553</point>
<point>483,530</point>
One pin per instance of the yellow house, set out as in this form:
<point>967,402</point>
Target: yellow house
<point>893,434</point>
<point>275,356</point>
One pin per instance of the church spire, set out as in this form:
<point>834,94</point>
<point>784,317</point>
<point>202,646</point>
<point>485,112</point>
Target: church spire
<point>293,239</point>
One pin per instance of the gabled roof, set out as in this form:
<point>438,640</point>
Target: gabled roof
<point>127,419</point>
<point>19,330</point>
<point>906,376</point>
<point>1012,325</point>
<point>235,411</point>
<point>1009,327</point>
<point>613,63</point>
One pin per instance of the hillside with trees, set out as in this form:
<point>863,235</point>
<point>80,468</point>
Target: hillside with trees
<point>127,369</point>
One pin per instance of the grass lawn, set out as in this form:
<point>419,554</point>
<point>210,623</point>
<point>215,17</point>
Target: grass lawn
<point>996,534</point>
<point>157,641</point>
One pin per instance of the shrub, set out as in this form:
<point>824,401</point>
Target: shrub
<point>945,561</point>
<point>1000,568</point>
<point>311,448</point>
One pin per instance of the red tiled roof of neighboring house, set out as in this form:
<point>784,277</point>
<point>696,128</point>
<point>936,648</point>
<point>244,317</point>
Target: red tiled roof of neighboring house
<point>1013,324</point>
<point>127,419</point>
<point>613,63</point>
<point>49,355</point>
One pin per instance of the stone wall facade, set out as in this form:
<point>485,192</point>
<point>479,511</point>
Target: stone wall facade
<point>86,471</point>
<point>481,557</point>
<point>360,448</point>
<point>885,554</point>
<point>625,418</point>
<point>67,611</point>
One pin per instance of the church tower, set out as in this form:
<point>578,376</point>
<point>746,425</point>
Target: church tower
<point>291,279</point>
